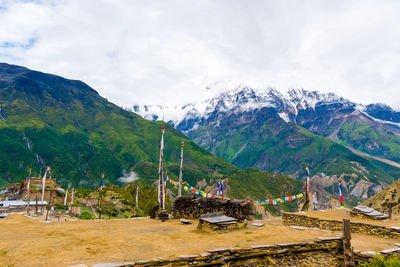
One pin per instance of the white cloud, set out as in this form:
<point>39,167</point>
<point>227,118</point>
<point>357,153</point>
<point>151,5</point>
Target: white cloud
<point>166,51</point>
<point>128,177</point>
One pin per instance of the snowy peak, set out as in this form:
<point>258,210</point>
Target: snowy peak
<point>240,99</point>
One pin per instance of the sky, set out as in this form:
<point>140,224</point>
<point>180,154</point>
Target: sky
<point>167,52</point>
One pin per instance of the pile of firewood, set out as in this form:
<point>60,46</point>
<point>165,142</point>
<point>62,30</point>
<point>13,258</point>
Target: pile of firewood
<point>192,207</point>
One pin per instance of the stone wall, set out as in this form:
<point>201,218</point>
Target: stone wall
<point>336,225</point>
<point>192,207</point>
<point>324,252</point>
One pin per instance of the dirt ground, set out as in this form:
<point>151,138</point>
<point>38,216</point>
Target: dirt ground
<point>27,241</point>
<point>341,213</point>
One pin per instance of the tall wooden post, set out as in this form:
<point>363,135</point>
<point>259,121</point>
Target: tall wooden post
<point>36,206</point>
<point>65,199</point>
<point>161,172</point>
<point>28,193</point>
<point>101,195</point>
<point>306,204</point>
<point>72,197</point>
<point>348,254</point>
<point>390,210</point>
<point>44,187</point>
<point>180,172</point>
<point>47,212</point>
<point>137,197</point>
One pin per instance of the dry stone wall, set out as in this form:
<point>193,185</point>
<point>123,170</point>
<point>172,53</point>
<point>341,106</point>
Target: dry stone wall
<point>336,225</point>
<point>324,252</point>
<point>192,207</point>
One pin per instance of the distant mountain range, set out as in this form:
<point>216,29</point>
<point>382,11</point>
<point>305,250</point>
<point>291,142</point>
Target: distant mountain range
<point>281,132</point>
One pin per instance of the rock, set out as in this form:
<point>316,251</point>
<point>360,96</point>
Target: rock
<point>108,265</point>
<point>387,251</point>
<point>185,257</point>
<point>262,246</point>
<point>299,227</point>
<point>218,250</point>
<point>257,224</point>
<point>373,253</point>
<point>186,221</point>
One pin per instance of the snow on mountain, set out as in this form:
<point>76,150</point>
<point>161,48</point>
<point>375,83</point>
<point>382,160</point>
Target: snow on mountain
<point>243,98</point>
<point>239,99</point>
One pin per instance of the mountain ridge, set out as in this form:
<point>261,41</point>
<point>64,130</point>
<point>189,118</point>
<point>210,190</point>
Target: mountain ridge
<point>280,132</point>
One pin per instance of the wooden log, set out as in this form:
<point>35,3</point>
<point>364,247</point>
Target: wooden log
<point>348,254</point>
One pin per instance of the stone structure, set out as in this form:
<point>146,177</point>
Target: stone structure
<point>192,207</point>
<point>324,252</point>
<point>17,191</point>
<point>336,225</point>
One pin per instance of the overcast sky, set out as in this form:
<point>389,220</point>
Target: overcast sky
<point>166,52</point>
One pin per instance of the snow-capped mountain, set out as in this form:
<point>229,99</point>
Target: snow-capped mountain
<point>242,99</point>
<point>280,131</point>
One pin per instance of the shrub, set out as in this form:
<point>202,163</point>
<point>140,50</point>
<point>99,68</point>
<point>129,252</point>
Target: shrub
<point>86,215</point>
<point>380,261</point>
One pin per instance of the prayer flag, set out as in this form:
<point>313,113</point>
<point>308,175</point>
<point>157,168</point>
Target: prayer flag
<point>341,196</point>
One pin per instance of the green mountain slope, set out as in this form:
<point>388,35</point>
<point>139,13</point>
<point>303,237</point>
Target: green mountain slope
<point>371,139</point>
<point>51,121</point>
<point>261,139</point>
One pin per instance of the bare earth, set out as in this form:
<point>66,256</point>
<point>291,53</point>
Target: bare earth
<point>29,242</point>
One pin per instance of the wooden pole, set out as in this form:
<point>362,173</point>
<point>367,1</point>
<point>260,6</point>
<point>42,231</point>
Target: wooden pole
<point>348,255</point>
<point>307,202</point>
<point>137,197</point>
<point>36,206</point>
<point>390,210</point>
<point>44,187</point>
<point>101,195</point>
<point>47,212</point>
<point>160,170</point>
<point>28,189</point>
<point>180,172</point>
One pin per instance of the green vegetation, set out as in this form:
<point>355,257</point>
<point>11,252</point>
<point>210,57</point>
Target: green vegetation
<point>81,135</point>
<point>285,148</point>
<point>372,140</point>
<point>86,215</point>
<point>380,261</point>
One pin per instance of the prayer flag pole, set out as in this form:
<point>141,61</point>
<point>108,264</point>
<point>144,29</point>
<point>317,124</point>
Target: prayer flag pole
<point>28,189</point>
<point>164,187</point>
<point>221,190</point>
<point>72,197</point>
<point>137,196</point>
<point>43,187</point>
<point>180,172</point>
<point>341,195</point>
<point>65,198</point>
<point>160,169</point>
<point>306,204</point>
<point>101,194</point>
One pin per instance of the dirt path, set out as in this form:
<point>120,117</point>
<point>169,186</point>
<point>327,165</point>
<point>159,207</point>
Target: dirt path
<point>29,242</point>
<point>387,161</point>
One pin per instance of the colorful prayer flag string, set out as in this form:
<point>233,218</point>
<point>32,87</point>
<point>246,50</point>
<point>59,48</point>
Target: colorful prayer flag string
<point>201,193</point>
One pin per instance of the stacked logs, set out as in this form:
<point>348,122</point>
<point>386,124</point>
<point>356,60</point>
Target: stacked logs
<point>192,207</point>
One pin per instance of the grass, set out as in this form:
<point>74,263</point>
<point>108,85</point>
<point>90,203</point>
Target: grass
<point>372,140</point>
<point>81,135</point>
